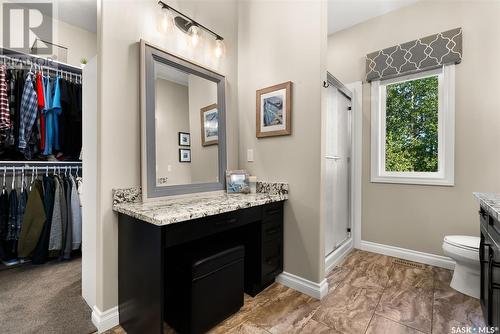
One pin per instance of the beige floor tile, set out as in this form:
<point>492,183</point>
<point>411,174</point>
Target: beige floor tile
<point>407,305</point>
<point>337,275</point>
<point>452,308</point>
<point>349,308</point>
<point>285,313</point>
<point>247,328</point>
<point>381,325</point>
<point>314,327</point>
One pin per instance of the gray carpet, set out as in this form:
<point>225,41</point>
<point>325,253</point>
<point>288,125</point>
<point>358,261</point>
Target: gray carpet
<point>44,299</point>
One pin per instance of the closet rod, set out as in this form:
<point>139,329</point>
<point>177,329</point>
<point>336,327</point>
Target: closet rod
<point>65,74</point>
<point>45,62</point>
<point>34,162</point>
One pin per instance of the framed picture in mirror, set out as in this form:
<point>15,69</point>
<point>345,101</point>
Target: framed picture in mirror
<point>209,125</point>
<point>184,155</point>
<point>184,139</point>
<point>274,109</point>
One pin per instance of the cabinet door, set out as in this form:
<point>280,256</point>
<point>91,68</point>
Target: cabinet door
<point>494,297</point>
<point>484,258</point>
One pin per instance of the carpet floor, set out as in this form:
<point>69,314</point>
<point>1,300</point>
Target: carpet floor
<point>44,299</point>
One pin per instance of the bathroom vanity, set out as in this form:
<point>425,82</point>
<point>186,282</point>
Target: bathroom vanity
<point>489,256</point>
<point>151,232</point>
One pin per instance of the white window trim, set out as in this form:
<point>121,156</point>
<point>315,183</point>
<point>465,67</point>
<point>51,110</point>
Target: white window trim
<point>446,132</point>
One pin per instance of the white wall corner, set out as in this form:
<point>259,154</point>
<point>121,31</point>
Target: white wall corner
<point>409,254</point>
<point>105,320</point>
<point>310,288</point>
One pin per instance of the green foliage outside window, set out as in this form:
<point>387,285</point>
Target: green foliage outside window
<point>412,126</point>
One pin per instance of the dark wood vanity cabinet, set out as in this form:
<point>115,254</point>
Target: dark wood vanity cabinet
<point>489,257</point>
<point>144,250</point>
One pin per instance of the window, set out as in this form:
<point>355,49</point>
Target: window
<point>413,121</point>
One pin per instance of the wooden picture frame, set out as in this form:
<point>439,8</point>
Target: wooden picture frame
<point>206,139</point>
<point>278,118</point>
<point>184,135</point>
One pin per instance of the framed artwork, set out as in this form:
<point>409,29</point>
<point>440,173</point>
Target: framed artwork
<point>237,181</point>
<point>184,139</point>
<point>209,125</point>
<point>274,108</point>
<point>184,155</point>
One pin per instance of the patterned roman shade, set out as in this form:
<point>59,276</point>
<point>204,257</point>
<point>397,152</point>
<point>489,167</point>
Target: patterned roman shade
<point>419,55</point>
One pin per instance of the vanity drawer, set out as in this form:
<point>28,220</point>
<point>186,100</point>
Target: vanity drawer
<point>493,227</point>
<point>272,229</point>
<point>272,211</point>
<point>199,228</point>
<point>272,259</point>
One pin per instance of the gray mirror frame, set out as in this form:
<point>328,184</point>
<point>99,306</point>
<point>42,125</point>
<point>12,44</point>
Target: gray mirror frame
<point>149,55</point>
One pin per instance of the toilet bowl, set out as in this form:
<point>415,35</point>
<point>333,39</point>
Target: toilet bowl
<point>465,251</point>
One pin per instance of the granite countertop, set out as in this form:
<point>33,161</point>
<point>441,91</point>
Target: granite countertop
<point>490,202</point>
<point>167,211</point>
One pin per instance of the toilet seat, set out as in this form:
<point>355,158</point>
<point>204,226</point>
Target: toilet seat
<point>463,241</point>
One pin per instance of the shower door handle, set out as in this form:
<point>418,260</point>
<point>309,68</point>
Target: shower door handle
<point>332,157</point>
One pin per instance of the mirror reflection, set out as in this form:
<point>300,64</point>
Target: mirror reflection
<point>186,124</point>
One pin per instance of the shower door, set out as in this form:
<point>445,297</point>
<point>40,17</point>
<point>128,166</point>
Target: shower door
<point>338,170</point>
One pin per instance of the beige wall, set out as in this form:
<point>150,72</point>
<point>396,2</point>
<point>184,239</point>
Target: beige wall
<point>172,117</point>
<point>80,43</point>
<point>278,42</point>
<point>418,217</point>
<point>204,159</point>
<point>119,121</point>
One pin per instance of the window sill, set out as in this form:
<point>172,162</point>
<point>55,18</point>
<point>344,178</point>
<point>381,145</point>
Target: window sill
<point>413,180</point>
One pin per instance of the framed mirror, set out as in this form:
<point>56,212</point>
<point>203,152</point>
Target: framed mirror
<point>183,128</point>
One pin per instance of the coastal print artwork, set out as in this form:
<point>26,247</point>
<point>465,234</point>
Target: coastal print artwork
<point>237,181</point>
<point>184,155</point>
<point>209,125</point>
<point>184,139</point>
<point>273,114</point>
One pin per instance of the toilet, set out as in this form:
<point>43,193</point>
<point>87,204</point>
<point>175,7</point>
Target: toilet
<point>465,251</point>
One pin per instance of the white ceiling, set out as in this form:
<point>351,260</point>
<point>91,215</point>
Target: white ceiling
<point>80,13</point>
<point>343,14</point>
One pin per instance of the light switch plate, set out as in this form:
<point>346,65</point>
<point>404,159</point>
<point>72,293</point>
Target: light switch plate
<point>250,155</point>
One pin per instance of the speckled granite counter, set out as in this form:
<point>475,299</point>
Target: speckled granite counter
<point>173,210</point>
<point>490,202</point>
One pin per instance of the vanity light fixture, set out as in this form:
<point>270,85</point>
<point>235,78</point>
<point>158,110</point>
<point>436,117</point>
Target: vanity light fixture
<point>190,27</point>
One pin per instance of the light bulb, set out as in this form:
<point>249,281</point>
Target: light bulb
<point>166,21</point>
<point>194,34</point>
<point>220,48</point>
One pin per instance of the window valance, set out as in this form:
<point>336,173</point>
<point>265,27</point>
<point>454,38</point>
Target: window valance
<point>419,55</point>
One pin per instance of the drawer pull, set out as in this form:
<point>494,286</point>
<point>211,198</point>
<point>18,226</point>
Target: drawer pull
<point>226,222</point>
<point>272,231</point>
<point>271,259</point>
<point>272,212</point>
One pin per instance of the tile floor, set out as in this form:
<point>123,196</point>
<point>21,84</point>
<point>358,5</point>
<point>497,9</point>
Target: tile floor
<point>368,293</point>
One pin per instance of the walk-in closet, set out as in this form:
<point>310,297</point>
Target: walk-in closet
<point>41,181</point>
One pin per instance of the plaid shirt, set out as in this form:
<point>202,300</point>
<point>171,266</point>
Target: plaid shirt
<point>4,100</point>
<point>29,106</point>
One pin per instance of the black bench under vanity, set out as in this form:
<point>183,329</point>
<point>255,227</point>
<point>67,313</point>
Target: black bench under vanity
<point>152,232</point>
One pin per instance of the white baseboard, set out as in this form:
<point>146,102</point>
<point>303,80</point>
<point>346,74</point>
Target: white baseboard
<point>105,320</point>
<point>409,254</point>
<point>338,255</point>
<point>313,289</point>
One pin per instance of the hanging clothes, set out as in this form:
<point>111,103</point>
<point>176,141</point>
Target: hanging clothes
<point>41,252</point>
<point>59,218</point>
<point>4,104</point>
<point>41,104</point>
<point>29,103</point>
<point>33,221</point>
<point>56,106</point>
<point>49,116</point>
<point>76,215</point>
<point>68,238</point>
<point>21,207</point>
